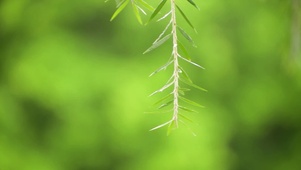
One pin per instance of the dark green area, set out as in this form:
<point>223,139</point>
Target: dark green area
<point>74,87</point>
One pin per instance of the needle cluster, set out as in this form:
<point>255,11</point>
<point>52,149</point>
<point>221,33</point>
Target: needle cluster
<point>179,77</point>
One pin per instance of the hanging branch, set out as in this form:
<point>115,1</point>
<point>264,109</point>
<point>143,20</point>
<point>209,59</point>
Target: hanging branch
<point>179,74</point>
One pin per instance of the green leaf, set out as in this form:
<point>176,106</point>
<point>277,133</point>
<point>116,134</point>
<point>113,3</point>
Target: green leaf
<point>164,16</point>
<point>146,5</point>
<point>157,10</point>
<point>158,43</point>
<point>162,125</point>
<point>181,92</point>
<point>193,85</point>
<point>186,36</point>
<point>183,49</point>
<point>161,68</point>
<point>187,109</point>
<point>186,118</point>
<point>185,75</point>
<point>162,89</point>
<point>140,9</point>
<point>187,20</point>
<point>190,102</point>
<point>119,9</point>
<point>170,127</point>
<point>162,99</point>
<point>192,132</point>
<point>192,3</point>
<point>119,2</point>
<point>184,89</point>
<point>193,63</point>
<point>165,104</point>
<point>137,14</point>
<point>162,33</point>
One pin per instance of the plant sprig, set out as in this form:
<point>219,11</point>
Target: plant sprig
<point>137,6</point>
<point>179,77</point>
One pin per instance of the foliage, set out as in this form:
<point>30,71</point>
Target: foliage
<point>72,85</point>
<point>179,74</point>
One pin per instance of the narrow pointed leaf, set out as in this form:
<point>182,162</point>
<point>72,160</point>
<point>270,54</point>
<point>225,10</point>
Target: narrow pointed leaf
<point>187,20</point>
<point>186,118</point>
<point>192,3</point>
<point>137,14</point>
<point>192,132</point>
<point>187,109</point>
<point>163,99</point>
<point>158,43</point>
<point>186,36</point>
<point>157,10</point>
<point>165,104</point>
<point>141,10</point>
<point>190,102</point>
<point>162,89</point>
<point>181,92</point>
<point>170,127</point>
<point>119,9</point>
<point>146,5</point>
<point>193,85</point>
<point>163,32</point>
<point>161,68</point>
<point>193,63</point>
<point>119,2</point>
<point>183,49</point>
<point>166,15</point>
<point>184,89</point>
<point>185,75</point>
<point>162,125</point>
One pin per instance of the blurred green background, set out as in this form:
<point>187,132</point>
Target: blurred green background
<point>74,87</point>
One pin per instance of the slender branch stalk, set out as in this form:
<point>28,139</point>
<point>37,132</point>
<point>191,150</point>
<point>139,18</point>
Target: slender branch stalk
<point>176,63</point>
<point>177,93</point>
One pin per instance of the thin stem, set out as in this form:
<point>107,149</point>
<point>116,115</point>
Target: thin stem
<point>176,63</point>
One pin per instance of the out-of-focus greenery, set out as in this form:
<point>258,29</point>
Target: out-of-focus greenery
<point>74,87</point>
